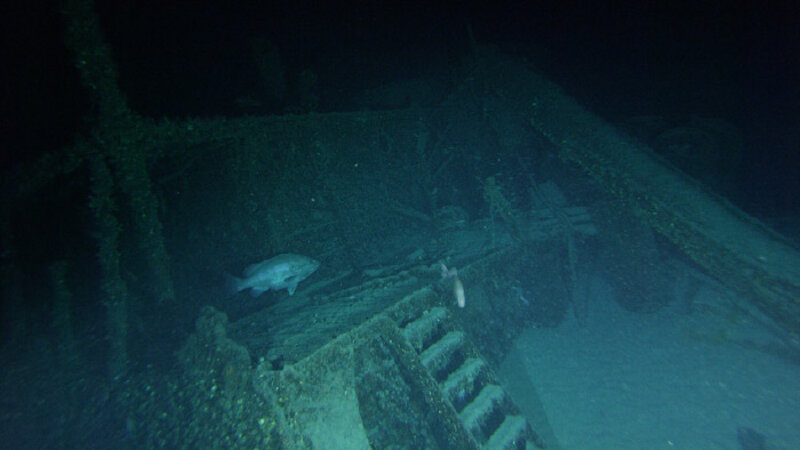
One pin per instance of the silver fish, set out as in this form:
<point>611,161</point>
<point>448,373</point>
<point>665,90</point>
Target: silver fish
<point>284,271</point>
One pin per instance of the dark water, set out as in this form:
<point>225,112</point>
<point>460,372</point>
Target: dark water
<point>149,150</point>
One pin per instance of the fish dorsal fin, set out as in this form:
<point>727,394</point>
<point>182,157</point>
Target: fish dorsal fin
<point>250,270</point>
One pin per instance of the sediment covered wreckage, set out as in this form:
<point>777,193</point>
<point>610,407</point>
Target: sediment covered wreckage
<point>373,344</point>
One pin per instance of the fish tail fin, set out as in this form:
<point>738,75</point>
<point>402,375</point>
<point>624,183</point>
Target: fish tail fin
<point>233,284</point>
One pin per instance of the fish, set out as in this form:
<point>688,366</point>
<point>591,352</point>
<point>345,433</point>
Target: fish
<point>284,271</point>
<point>447,273</point>
<point>458,292</point>
<point>458,287</point>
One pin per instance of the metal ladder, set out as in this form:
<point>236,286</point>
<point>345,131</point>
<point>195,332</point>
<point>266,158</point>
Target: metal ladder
<point>467,382</point>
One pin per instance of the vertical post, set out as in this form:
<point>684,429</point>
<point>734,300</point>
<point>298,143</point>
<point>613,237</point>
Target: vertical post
<point>121,135</point>
<point>107,235</point>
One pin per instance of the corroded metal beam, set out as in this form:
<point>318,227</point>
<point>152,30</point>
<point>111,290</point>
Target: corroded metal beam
<point>735,248</point>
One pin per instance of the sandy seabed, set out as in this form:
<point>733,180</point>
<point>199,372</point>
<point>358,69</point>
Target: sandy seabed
<point>675,379</point>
